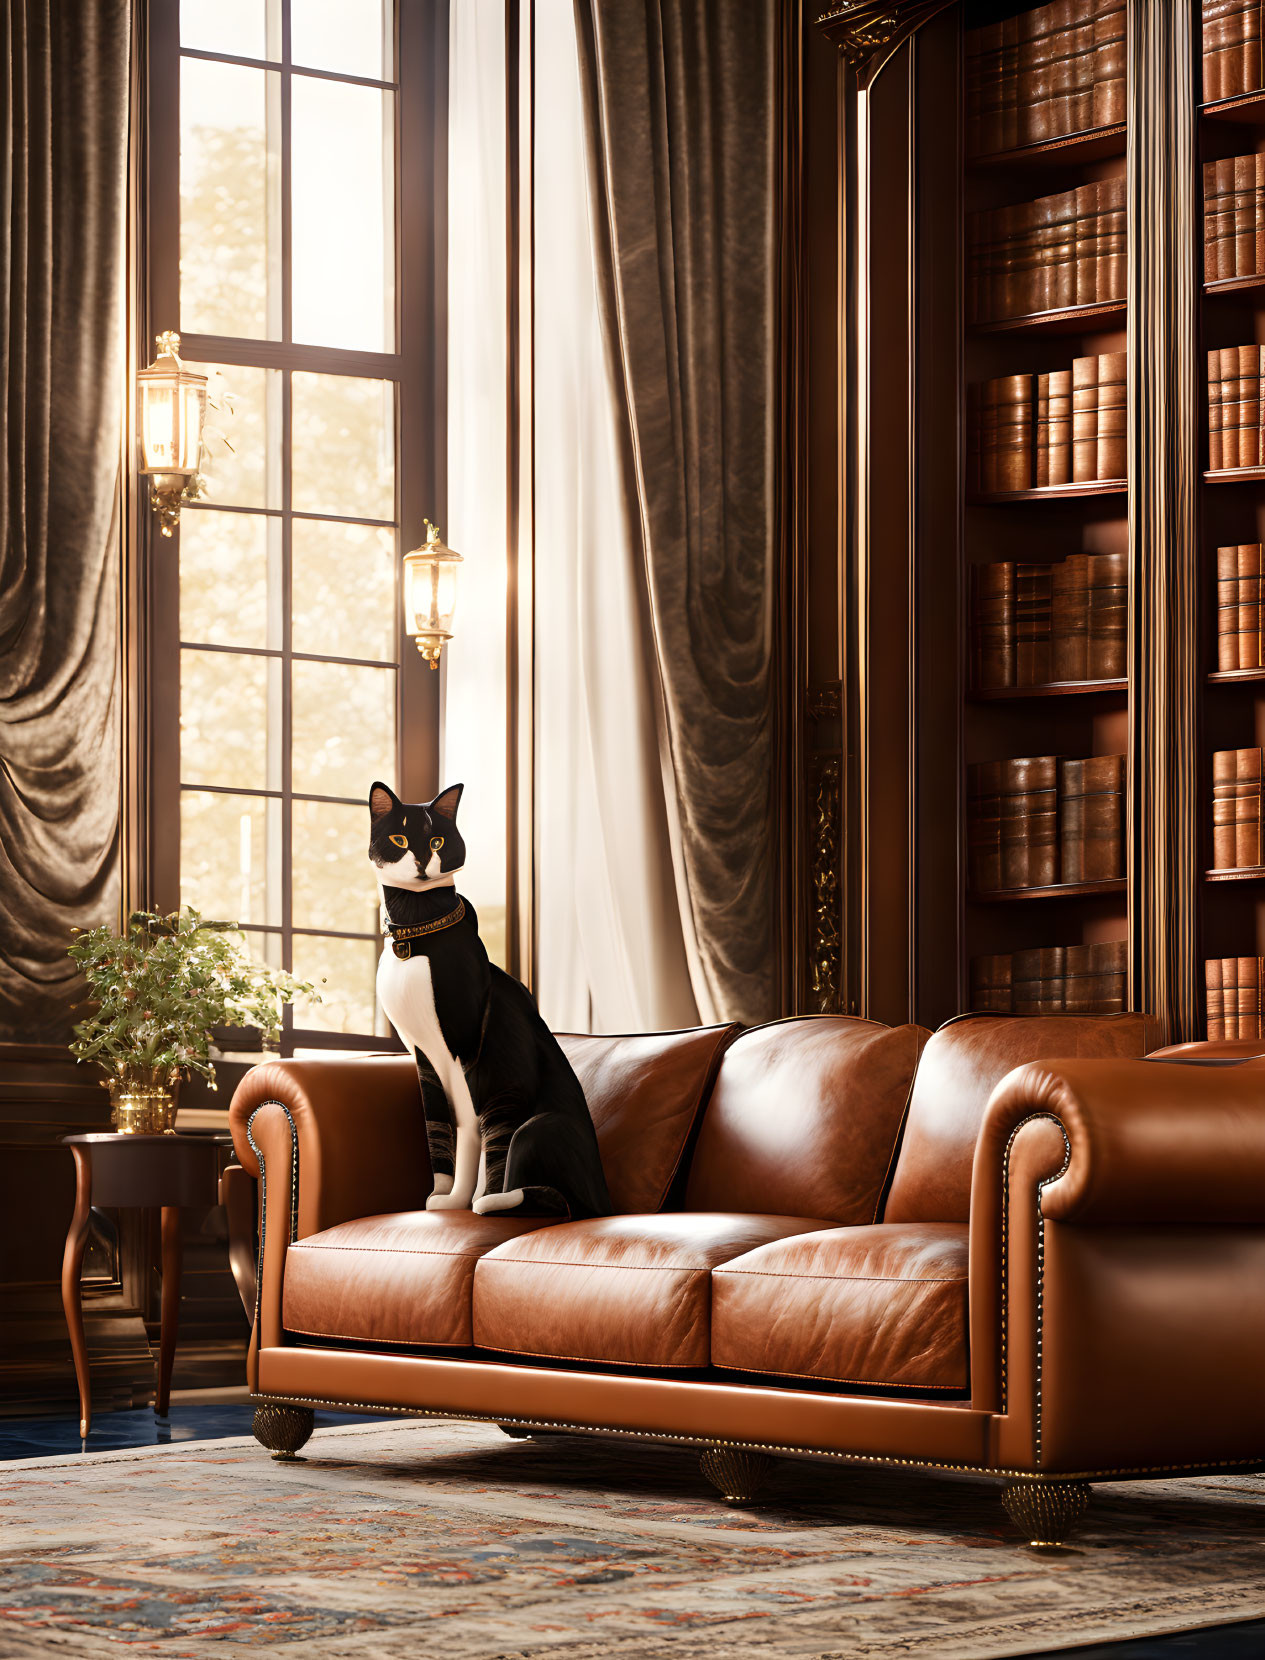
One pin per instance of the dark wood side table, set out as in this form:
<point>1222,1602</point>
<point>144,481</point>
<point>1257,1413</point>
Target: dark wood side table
<point>155,1171</point>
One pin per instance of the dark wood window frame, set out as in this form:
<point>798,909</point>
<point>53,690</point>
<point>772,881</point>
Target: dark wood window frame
<point>418,369</point>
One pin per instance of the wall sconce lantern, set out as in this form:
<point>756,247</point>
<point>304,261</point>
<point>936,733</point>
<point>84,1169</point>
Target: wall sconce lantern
<point>171,413</point>
<point>430,594</point>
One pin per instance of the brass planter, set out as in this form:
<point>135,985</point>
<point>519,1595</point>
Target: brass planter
<point>144,1102</point>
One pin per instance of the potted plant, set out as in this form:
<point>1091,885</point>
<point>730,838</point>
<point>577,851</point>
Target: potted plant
<point>160,988</point>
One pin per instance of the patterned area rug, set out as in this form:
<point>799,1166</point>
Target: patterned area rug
<point>402,1539</point>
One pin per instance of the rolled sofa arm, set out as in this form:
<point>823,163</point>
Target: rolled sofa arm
<point>1146,1141</point>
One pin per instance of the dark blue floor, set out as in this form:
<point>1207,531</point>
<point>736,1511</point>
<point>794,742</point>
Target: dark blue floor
<point>51,1437</point>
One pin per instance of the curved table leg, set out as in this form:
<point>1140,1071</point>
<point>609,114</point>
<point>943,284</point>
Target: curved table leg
<point>170,1308</point>
<point>71,1293</point>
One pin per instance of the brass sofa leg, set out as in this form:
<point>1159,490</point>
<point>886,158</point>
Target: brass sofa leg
<point>1046,1511</point>
<point>283,1429</point>
<point>737,1473</point>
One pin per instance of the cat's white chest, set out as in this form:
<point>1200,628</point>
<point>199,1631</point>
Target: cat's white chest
<point>408,1000</point>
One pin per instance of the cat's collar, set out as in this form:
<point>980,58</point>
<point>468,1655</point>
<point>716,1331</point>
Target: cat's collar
<point>403,933</point>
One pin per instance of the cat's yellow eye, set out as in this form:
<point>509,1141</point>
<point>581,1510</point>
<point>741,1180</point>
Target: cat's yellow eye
<point>400,841</point>
<point>436,842</point>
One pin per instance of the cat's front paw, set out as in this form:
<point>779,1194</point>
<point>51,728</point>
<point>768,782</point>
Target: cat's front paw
<point>446,1201</point>
<point>492,1202</point>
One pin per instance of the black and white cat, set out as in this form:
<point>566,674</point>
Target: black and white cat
<point>506,1120</point>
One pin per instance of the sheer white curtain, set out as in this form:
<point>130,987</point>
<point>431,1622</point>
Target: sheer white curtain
<point>473,750</point>
<point>610,949</point>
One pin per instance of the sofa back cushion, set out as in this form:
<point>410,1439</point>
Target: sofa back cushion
<point>803,1118</point>
<point>645,1093</point>
<point>960,1068</point>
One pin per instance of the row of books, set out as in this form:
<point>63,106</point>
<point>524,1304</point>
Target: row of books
<point>1240,614</point>
<point>1041,820</point>
<point>1235,424</point>
<point>1056,69</point>
<point>1231,48</point>
<point>1059,251</point>
<point>1233,987</point>
<point>1033,624</point>
<point>1234,217</point>
<point>1067,427</point>
<point>1053,979</point>
<point>1236,809</point>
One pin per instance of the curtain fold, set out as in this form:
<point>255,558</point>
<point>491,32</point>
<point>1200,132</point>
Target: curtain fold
<point>681,118</point>
<point>63,177</point>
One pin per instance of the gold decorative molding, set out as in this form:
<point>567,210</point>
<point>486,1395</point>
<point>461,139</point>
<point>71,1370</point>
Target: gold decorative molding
<point>825,944</point>
<point>1163,532</point>
<point>861,29</point>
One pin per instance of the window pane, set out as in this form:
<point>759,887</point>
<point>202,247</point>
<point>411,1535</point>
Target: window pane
<point>230,720</point>
<point>230,202</point>
<point>229,563</point>
<point>334,885</point>
<point>344,728</point>
<point>343,972</point>
<point>342,215</point>
<point>247,414</point>
<point>352,37</point>
<point>344,590</point>
<point>344,446</point>
<point>238,28</point>
<point>230,856</point>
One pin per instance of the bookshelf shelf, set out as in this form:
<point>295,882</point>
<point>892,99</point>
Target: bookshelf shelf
<point>1071,320</point>
<point>1235,677</point>
<point>1052,688</point>
<point>1245,873</point>
<point>1060,890</point>
<point>1235,475</point>
<point>1072,148</point>
<point>1057,492</point>
<point>1236,285</point>
<point>1248,108</point>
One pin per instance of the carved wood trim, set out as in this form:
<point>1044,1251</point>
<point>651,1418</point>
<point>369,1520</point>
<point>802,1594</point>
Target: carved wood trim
<point>864,29</point>
<point>825,956</point>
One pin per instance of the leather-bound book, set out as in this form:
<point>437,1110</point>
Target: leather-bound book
<point>1222,60</point>
<point>1069,618</point>
<point>1244,215</point>
<point>1224,807</point>
<point>1084,419</point>
<point>1113,265</point>
<point>1230,995</point>
<point>1029,822</point>
<point>993,619</point>
<point>1258,217</point>
<point>1041,434</point>
<point>1109,66</point>
<point>1248,997</point>
<point>1061,250</point>
<point>1040,219</point>
<point>1219,219</point>
<point>1082,35</point>
<point>1111,415</point>
<point>1110,962</point>
<point>1091,818</point>
<point>1015,397</point>
<point>1087,231</point>
<point>1248,605</point>
<point>1010,123</point>
<point>991,984</point>
<point>1063,65</point>
<point>1078,979</point>
<point>981,88</point>
<point>1215,999</point>
<point>983,826</point>
<point>1060,460</point>
<point>1025,969</point>
<point>1108,608</point>
<point>1216,413</point>
<point>1035,71</point>
<point>1228,607</point>
<point>1247,816</point>
<point>1248,406</point>
<point>1033,597</point>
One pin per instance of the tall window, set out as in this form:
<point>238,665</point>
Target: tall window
<point>285,138</point>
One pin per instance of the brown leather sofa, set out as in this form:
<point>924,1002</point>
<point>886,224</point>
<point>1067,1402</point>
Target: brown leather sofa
<point>1015,1248</point>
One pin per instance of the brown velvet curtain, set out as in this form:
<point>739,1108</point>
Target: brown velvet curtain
<point>63,180</point>
<point>683,126</point>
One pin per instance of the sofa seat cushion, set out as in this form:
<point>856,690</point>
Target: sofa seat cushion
<point>392,1279</point>
<point>881,1305</point>
<point>624,1290</point>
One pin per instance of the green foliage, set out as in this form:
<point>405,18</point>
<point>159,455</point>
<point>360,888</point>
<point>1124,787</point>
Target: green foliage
<point>164,984</point>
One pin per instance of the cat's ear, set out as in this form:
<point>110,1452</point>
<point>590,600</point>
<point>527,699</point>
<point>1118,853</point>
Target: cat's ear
<point>445,804</point>
<point>382,798</point>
